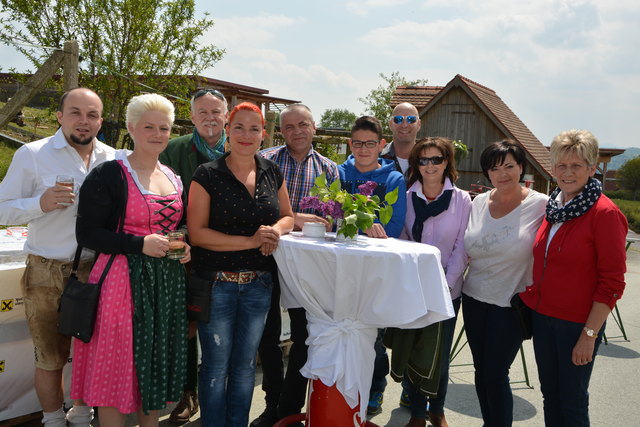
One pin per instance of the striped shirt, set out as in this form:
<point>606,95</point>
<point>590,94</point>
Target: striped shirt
<point>300,176</point>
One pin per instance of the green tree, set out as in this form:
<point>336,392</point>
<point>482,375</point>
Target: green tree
<point>122,43</point>
<point>629,176</point>
<point>339,118</point>
<point>378,102</point>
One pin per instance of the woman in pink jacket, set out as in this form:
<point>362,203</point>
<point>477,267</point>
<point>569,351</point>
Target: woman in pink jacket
<point>578,275</point>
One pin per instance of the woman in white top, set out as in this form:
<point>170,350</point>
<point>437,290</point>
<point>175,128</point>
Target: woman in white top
<point>499,240</point>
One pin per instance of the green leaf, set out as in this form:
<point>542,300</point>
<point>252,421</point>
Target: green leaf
<point>321,180</point>
<point>335,185</point>
<point>392,196</point>
<point>351,219</point>
<point>385,214</point>
<point>360,198</point>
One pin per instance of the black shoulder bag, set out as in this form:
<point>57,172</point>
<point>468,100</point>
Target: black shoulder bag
<point>79,303</point>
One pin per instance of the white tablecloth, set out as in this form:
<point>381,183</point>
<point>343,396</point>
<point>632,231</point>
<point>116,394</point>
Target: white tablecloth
<point>351,289</point>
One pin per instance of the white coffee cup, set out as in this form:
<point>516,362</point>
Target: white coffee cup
<point>313,229</point>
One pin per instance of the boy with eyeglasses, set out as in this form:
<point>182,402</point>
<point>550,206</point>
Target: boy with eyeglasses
<point>404,124</point>
<point>364,165</point>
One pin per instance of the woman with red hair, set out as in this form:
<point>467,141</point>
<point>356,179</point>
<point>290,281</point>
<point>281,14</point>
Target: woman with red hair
<point>238,209</point>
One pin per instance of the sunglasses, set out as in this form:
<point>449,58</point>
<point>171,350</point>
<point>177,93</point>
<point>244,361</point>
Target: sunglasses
<point>410,119</point>
<point>435,160</point>
<point>214,92</point>
<point>359,144</point>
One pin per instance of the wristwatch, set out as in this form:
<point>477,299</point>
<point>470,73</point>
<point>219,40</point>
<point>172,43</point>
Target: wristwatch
<point>590,332</point>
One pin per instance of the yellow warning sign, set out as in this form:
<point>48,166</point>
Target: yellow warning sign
<point>6,305</point>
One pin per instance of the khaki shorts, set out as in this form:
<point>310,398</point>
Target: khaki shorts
<point>42,284</point>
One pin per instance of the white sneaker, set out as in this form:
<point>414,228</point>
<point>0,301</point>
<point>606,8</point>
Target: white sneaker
<point>80,416</point>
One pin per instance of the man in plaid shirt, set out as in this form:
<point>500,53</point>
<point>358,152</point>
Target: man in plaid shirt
<point>300,164</point>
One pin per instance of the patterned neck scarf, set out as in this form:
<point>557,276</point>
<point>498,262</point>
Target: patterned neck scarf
<point>211,153</point>
<point>577,206</point>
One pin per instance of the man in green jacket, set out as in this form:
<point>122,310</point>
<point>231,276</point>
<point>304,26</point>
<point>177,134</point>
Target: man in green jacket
<point>209,110</point>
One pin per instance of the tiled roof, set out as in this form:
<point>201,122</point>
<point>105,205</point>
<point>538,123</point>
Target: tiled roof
<point>490,103</point>
<point>419,96</point>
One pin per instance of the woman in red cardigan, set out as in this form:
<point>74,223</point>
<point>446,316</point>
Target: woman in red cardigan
<point>578,273</point>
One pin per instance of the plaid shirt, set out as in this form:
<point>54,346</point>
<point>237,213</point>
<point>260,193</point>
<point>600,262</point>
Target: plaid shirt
<point>300,177</point>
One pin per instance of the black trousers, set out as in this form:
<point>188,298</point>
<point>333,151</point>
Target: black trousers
<point>284,394</point>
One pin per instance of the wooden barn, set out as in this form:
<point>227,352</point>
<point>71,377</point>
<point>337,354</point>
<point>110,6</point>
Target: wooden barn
<point>474,114</point>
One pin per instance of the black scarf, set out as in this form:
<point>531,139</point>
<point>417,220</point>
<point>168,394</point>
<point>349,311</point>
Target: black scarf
<point>426,210</point>
<point>577,206</point>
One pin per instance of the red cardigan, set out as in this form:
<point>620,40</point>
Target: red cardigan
<point>585,262</point>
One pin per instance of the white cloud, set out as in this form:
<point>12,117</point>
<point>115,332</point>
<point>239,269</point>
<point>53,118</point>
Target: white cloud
<point>363,8</point>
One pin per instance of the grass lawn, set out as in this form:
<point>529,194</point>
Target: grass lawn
<point>6,154</point>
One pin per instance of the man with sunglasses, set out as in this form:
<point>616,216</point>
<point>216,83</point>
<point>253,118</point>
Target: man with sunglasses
<point>209,110</point>
<point>301,165</point>
<point>404,124</point>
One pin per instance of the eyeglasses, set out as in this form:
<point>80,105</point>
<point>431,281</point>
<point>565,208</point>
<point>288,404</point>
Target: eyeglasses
<point>435,160</point>
<point>214,92</point>
<point>359,144</point>
<point>410,119</point>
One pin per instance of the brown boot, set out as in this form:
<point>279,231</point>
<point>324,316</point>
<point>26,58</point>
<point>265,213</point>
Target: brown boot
<point>438,420</point>
<point>416,422</point>
<point>186,408</point>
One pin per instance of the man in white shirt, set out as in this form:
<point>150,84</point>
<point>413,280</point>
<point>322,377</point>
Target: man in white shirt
<point>404,124</point>
<point>29,194</point>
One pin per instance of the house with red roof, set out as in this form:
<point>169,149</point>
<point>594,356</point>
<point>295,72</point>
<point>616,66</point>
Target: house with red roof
<point>474,114</point>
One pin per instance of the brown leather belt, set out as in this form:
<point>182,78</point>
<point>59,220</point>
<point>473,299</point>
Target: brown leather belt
<point>239,277</point>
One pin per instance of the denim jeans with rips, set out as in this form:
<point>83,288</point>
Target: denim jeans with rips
<point>229,345</point>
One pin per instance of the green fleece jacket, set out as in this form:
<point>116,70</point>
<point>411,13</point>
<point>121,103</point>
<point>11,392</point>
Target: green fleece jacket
<point>182,156</point>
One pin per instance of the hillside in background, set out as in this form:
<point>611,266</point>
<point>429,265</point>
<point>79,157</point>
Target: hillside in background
<point>619,160</point>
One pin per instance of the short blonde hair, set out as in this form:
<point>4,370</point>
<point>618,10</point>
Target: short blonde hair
<point>138,105</point>
<point>580,142</point>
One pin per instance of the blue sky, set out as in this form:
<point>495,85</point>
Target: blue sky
<point>558,64</point>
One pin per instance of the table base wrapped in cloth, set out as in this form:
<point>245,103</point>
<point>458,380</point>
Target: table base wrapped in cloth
<point>349,290</point>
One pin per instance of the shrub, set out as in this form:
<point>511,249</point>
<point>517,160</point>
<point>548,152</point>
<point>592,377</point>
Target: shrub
<point>619,194</point>
<point>631,209</point>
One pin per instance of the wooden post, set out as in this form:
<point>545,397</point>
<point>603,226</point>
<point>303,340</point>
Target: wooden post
<point>34,85</point>
<point>71,60</point>
<point>270,128</point>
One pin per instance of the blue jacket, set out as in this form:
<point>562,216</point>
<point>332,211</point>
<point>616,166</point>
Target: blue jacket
<point>388,179</point>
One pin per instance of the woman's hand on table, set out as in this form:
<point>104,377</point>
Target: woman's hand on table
<point>155,245</point>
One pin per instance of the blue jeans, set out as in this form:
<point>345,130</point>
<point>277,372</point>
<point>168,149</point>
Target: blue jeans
<point>494,337</point>
<point>229,345</point>
<point>418,400</point>
<point>564,385</point>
